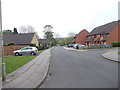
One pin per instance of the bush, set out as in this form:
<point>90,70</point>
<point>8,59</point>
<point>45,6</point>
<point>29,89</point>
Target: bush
<point>33,45</point>
<point>115,44</point>
<point>9,44</point>
<point>40,47</point>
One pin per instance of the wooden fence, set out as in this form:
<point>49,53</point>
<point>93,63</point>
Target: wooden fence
<point>8,50</point>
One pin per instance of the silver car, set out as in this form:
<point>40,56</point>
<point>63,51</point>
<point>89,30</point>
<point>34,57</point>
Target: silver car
<point>77,46</point>
<point>26,51</point>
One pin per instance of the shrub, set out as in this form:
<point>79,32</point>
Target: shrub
<point>9,44</point>
<point>115,44</point>
<point>40,47</point>
<point>33,45</point>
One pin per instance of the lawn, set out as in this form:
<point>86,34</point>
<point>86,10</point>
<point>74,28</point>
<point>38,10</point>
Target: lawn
<point>119,53</point>
<point>0,67</point>
<point>15,62</point>
<point>40,51</point>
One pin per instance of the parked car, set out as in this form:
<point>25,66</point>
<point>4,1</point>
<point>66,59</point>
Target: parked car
<point>70,45</point>
<point>26,51</point>
<point>77,46</point>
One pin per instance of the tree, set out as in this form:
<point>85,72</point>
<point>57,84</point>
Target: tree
<point>56,35</point>
<point>27,29</point>
<point>15,31</point>
<point>30,29</point>
<point>71,34</point>
<point>48,32</point>
<point>22,29</point>
<point>48,28</point>
<point>6,32</point>
<point>49,36</point>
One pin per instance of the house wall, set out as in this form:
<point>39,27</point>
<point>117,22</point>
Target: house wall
<point>35,40</point>
<point>81,38</point>
<point>114,35</point>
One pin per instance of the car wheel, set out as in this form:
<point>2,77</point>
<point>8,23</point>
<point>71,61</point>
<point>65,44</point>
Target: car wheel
<point>32,53</point>
<point>17,54</point>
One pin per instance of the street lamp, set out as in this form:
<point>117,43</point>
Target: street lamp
<point>2,47</point>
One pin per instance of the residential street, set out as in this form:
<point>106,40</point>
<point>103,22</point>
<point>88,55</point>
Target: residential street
<point>81,69</point>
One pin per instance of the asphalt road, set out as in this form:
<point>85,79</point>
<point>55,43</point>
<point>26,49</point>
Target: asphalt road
<point>81,69</point>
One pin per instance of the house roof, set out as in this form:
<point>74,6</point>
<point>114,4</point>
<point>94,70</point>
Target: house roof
<point>18,39</point>
<point>104,28</point>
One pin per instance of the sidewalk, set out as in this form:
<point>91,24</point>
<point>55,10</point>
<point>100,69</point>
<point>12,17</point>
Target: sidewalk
<point>112,55</point>
<point>30,75</point>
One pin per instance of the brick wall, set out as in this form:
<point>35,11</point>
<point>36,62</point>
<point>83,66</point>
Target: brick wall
<point>81,37</point>
<point>114,35</point>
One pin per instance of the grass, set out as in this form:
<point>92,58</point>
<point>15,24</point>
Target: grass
<point>119,53</point>
<point>40,51</point>
<point>15,62</point>
<point>0,67</point>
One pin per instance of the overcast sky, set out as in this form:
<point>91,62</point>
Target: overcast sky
<point>64,15</point>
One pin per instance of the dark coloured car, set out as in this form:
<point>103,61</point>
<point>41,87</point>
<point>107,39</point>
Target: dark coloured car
<point>70,45</point>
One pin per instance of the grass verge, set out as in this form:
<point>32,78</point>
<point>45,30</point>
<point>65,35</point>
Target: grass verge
<point>15,62</point>
<point>119,53</point>
<point>40,51</point>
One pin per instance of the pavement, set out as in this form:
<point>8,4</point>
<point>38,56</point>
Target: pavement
<point>30,75</point>
<point>112,55</point>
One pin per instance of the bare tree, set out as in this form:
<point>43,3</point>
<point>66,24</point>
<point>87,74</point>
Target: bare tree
<point>22,29</point>
<point>30,29</point>
<point>26,29</point>
<point>56,35</point>
<point>71,34</point>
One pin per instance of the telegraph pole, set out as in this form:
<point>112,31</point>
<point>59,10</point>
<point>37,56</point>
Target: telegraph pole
<point>2,47</point>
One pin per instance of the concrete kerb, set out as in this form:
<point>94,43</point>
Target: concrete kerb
<point>109,58</point>
<point>42,78</point>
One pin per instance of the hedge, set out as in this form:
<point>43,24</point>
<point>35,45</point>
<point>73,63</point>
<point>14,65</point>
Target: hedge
<point>40,47</point>
<point>115,44</point>
<point>9,44</point>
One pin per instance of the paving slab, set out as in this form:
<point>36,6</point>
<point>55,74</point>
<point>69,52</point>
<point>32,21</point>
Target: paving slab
<point>112,55</point>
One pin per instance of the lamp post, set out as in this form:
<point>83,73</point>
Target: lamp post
<point>2,47</point>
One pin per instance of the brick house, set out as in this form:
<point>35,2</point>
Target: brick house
<point>104,34</point>
<point>21,39</point>
<point>80,38</point>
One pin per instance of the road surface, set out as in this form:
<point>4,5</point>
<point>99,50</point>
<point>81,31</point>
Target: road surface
<point>80,69</point>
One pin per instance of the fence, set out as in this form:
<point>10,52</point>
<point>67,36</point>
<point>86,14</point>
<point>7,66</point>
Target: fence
<point>8,50</point>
